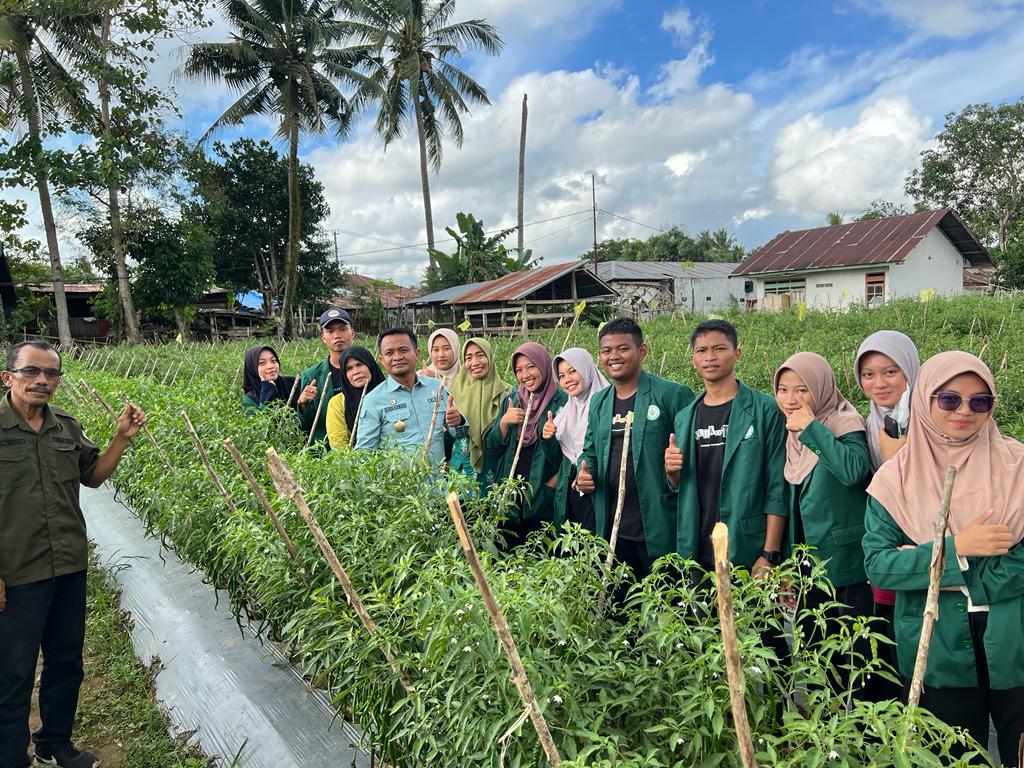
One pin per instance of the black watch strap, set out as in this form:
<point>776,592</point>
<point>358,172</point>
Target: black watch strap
<point>773,558</point>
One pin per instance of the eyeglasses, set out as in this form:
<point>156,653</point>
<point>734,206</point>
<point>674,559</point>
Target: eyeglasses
<point>951,401</point>
<point>32,372</point>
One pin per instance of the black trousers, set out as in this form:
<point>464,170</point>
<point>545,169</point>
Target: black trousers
<point>49,616</point>
<point>970,708</point>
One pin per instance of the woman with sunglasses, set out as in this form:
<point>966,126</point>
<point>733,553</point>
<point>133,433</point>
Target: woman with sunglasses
<point>976,664</point>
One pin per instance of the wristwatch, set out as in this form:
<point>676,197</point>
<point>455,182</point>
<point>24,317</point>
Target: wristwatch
<point>773,558</point>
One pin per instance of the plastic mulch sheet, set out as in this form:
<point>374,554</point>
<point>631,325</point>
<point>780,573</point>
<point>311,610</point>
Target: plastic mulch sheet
<point>240,696</point>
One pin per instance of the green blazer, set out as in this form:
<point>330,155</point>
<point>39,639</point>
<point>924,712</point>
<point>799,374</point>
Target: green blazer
<point>831,501</point>
<point>997,582</point>
<point>318,372</point>
<point>499,453</point>
<point>753,485</point>
<point>560,497</point>
<point>657,403</point>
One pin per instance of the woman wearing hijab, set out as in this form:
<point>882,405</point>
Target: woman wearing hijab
<point>563,434</point>
<point>479,392</point>
<point>887,364</point>
<point>531,364</point>
<point>359,370</point>
<point>827,469</point>
<point>443,347</point>
<point>262,381</point>
<point>976,664</point>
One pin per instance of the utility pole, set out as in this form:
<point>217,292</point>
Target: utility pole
<point>593,196</point>
<point>337,259</point>
<point>522,178</point>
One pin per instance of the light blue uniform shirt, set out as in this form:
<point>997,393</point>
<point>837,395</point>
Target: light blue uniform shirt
<point>391,402</point>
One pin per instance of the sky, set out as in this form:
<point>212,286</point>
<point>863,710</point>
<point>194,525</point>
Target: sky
<point>758,116</point>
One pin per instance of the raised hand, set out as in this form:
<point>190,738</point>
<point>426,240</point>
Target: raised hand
<point>673,461</point>
<point>550,430</point>
<point>799,420</point>
<point>452,417</point>
<point>980,539</point>
<point>308,393</point>
<point>584,480</point>
<point>131,420</point>
<point>514,416</point>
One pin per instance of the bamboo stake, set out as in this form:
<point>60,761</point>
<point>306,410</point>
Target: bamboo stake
<point>620,502</point>
<point>288,488</point>
<point>128,371</point>
<point>261,497</point>
<point>152,441</point>
<point>433,419</point>
<point>194,374</point>
<point>931,606</point>
<point>319,407</point>
<point>733,668</point>
<point>661,368</point>
<point>359,413</point>
<point>238,372</point>
<point>568,335</point>
<point>295,386</point>
<point>209,467</point>
<point>522,435</point>
<point>519,677</point>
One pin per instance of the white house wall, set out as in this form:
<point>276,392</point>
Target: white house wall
<point>707,294</point>
<point>935,263</point>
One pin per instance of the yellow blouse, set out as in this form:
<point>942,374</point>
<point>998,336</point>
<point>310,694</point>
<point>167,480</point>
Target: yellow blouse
<point>337,428</point>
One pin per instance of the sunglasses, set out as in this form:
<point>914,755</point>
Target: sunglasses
<point>951,401</point>
<point>32,372</point>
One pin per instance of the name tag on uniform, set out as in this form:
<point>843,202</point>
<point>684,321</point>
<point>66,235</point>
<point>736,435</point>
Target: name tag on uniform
<point>396,407</point>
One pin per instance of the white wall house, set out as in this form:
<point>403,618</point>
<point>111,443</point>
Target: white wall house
<point>864,261</point>
<point>649,288</point>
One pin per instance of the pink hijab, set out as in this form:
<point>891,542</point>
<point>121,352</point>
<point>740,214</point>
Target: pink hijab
<point>831,409</point>
<point>541,358</point>
<point>990,467</point>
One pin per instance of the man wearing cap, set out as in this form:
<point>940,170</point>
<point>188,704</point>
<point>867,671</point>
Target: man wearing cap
<point>325,378</point>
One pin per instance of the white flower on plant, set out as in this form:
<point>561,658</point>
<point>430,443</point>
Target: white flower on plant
<point>460,612</point>
<point>561,642</point>
<point>467,648</point>
<point>756,670</point>
<point>657,662</point>
<point>556,699</point>
<point>833,755</point>
<point>680,741</point>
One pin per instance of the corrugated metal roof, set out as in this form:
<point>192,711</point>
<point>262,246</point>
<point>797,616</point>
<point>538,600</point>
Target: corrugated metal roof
<point>611,271</point>
<point>518,285</point>
<point>439,297</point>
<point>875,241</point>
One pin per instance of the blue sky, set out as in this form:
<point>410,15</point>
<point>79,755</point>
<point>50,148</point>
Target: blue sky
<point>755,116</point>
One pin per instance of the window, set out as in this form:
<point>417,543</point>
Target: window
<point>795,287</point>
<point>874,288</point>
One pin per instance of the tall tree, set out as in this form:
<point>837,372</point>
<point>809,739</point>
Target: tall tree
<point>977,168</point>
<point>39,90</point>
<point>419,43</point>
<point>834,218</point>
<point>285,59</point>
<point>883,209</point>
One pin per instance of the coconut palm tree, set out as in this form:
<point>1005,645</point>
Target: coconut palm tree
<point>418,41</point>
<point>38,91</point>
<point>286,61</point>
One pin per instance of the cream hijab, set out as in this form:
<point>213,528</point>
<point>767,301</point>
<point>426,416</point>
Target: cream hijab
<point>990,467</point>
<point>453,339</point>
<point>831,409</point>
<point>899,348</point>
<point>571,421</point>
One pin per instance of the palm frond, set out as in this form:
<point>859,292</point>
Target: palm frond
<point>474,33</point>
<point>256,101</point>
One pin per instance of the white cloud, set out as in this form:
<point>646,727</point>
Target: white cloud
<point>818,168</point>
<point>679,23</point>
<point>678,76</point>
<point>956,19</point>
<point>752,214</point>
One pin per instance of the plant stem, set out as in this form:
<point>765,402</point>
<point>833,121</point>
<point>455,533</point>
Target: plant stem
<point>209,467</point>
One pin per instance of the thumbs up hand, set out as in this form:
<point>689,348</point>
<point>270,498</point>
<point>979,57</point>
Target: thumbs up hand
<point>673,461</point>
<point>550,430</point>
<point>799,420</point>
<point>584,480</point>
<point>452,416</point>
<point>514,416</point>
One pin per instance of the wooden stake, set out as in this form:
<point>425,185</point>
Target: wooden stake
<point>931,606</point>
<point>661,368</point>
<point>433,419</point>
<point>519,677</point>
<point>568,335</point>
<point>620,501</point>
<point>153,442</point>
<point>287,488</point>
<point>319,407</point>
<point>209,467</point>
<point>261,497</point>
<point>295,386</point>
<point>733,668</point>
<point>128,371</point>
<point>522,435</point>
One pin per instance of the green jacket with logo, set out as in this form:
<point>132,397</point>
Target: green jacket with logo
<point>321,373</point>
<point>997,582</point>
<point>753,485</point>
<point>657,403</point>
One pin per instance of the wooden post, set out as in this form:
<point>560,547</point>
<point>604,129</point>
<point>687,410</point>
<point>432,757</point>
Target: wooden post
<point>661,368</point>
<point>209,467</point>
<point>295,386</point>
<point>287,488</point>
<point>931,606</point>
<point>153,442</point>
<point>522,435</point>
<point>508,643</point>
<point>261,497</point>
<point>733,668</point>
<point>319,407</point>
<point>359,413</point>
<point>433,419</point>
<point>620,501</point>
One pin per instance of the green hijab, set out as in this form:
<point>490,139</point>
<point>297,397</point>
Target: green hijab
<point>479,400</point>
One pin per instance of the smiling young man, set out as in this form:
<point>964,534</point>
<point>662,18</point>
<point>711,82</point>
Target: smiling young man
<point>401,408</point>
<point>648,526</point>
<point>44,458</point>
<point>337,334</point>
<point>726,458</point>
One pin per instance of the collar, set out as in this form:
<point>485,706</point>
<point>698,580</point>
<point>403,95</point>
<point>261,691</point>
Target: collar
<point>10,418</point>
<point>393,386</point>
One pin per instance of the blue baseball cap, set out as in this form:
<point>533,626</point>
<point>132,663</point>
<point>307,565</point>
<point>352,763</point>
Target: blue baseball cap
<point>334,314</point>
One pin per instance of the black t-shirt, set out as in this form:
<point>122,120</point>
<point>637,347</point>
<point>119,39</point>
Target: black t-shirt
<point>711,427</point>
<point>337,378</point>
<point>525,463</point>
<point>580,506</point>
<point>631,528</point>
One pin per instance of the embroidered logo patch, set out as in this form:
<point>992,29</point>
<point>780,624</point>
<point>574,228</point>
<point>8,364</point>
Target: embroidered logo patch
<point>653,412</point>
<point>750,432</point>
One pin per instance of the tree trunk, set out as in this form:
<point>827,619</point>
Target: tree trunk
<point>124,287</point>
<point>179,320</point>
<point>425,180</point>
<point>35,132</point>
<point>291,265</point>
<point>522,178</point>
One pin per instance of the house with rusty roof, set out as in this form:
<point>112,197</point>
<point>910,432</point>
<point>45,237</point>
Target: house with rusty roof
<point>647,289</point>
<point>868,262</point>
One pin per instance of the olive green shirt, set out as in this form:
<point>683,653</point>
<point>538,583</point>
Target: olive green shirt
<point>42,529</point>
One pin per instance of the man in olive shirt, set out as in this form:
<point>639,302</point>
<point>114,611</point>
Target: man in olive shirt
<point>44,457</point>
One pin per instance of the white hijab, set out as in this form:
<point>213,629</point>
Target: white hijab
<point>571,421</point>
<point>901,350</point>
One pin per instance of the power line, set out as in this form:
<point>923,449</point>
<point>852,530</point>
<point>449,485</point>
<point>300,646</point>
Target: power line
<point>559,231</point>
<point>631,221</point>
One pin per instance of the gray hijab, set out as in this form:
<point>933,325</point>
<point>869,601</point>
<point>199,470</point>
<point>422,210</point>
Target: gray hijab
<point>901,350</point>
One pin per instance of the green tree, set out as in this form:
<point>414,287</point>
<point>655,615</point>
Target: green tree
<point>40,91</point>
<point>285,59</point>
<point>883,209</point>
<point>719,245</point>
<point>1010,273</point>
<point>671,245</point>
<point>977,168</point>
<point>834,218</point>
<point>419,43</point>
<point>478,256</point>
